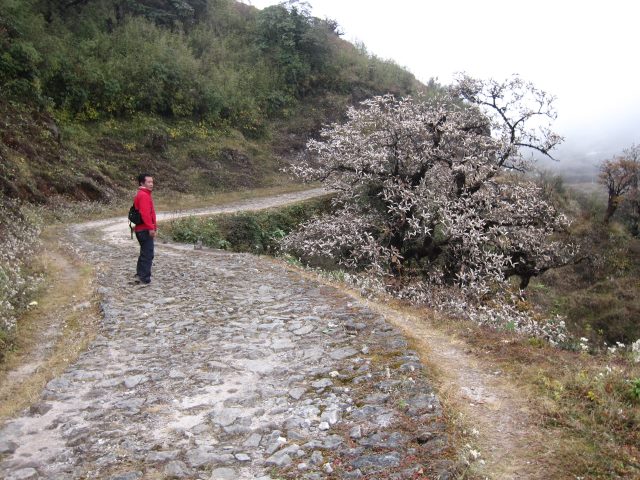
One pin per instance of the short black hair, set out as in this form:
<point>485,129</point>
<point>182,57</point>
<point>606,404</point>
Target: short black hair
<point>142,177</point>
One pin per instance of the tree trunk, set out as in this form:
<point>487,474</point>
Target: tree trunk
<point>612,205</point>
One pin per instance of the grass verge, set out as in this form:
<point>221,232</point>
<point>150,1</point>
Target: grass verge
<point>51,335</point>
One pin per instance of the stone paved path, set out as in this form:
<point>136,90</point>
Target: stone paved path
<point>228,366</point>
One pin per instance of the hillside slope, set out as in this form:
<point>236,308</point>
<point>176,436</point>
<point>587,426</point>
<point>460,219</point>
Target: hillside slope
<point>205,94</point>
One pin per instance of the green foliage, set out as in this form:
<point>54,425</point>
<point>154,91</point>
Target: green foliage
<point>19,280</point>
<point>214,60</point>
<point>635,388</point>
<point>91,85</point>
<point>257,232</point>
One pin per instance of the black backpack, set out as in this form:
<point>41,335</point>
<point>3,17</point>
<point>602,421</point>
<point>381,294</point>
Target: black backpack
<point>134,218</point>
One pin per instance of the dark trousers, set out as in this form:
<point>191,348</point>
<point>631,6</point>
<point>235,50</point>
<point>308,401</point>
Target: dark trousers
<point>143,269</point>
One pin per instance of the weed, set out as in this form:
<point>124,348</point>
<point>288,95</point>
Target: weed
<point>635,388</point>
<point>19,276</point>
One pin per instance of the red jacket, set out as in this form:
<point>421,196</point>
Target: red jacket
<point>144,204</point>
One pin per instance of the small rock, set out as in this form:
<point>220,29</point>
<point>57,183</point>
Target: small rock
<point>331,442</point>
<point>327,468</point>
<point>223,474</point>
<point>23,474</point>
<point>342,353</point>
<point>275,445</point>
<point>304,330</point>
<point>127,476</point>
<point>331,415</point>
<point>81,306</point>
<point>279,460</point>
<point>358,474</point>
<point>324,426</point>
<point>297,393</point>
<point>316,458</point>
<point>175,373</point>
<point>134,380</point>
<point>226,417</point>
<point>161,457</point>
<point>253,440</point>
<point>323,383</point>
<point>7,446</point>
<point>380,461</point>
<point>176,469</point>
<point>242,457</point>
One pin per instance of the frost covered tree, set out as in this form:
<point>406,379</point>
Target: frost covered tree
<point>431,188</point>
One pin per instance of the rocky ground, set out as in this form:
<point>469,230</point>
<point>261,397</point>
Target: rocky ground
<point>228,366</point>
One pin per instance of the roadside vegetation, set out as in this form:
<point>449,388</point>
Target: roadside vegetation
<point>255,232</point>
<point>20,275</point>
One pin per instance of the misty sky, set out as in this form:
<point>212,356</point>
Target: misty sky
<point>583,52</point>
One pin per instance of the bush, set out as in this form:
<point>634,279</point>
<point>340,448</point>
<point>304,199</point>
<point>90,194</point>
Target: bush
<point>18,281</point>
<point>257,232</point>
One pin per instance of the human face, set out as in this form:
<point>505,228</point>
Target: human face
<point>148,183</point>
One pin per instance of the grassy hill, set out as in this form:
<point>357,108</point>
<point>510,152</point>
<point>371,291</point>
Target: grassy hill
<point>206,94</point>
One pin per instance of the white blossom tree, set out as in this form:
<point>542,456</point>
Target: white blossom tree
<point>430,188</point>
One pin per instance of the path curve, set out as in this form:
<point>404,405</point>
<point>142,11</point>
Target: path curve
<point>228,366</point>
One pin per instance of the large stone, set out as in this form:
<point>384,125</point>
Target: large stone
<point>223,474</point>
<point>377,461</point>
<point>279,460</point>
<point>7,446</point>
<point>127,476</point>
<point>322,383</point>
<point>135,380</point>
<point>23,474</point>
<point>296,393</point>
<point>176,469</point>
<point>342,353</point>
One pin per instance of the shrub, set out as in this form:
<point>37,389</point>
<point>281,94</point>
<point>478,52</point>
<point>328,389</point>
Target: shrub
<point>18,280</point>
<point>258,232</point>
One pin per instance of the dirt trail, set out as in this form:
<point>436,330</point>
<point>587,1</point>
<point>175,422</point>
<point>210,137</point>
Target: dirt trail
<point>508,439</point>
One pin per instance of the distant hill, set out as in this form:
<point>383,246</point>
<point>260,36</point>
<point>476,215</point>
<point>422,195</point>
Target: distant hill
<point>206,94</point>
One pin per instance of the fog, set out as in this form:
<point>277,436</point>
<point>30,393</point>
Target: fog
<point>583,52</point>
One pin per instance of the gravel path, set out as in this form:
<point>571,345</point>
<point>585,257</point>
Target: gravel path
<point>228,366</point>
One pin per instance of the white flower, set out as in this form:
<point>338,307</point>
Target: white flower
<point>635,351</point>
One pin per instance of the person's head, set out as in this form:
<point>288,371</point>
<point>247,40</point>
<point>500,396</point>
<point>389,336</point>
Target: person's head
<point>145,180</point>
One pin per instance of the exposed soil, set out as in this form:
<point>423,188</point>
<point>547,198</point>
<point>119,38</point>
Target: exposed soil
<point>510,443</point>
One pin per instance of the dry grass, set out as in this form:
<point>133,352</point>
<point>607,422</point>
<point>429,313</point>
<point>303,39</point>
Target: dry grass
<point>53,334</point>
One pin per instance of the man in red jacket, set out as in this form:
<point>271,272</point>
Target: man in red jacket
<point>146,231</point>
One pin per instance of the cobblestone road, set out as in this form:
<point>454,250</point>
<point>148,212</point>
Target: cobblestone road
<point>228,366</point>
